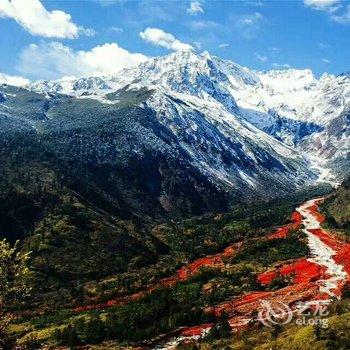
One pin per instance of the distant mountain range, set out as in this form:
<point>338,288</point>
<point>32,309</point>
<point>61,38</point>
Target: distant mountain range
<point>182,134</point>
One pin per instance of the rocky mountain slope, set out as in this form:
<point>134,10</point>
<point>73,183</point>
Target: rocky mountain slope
<point>117,156</point>
<point>290,105</point>
<point>337,208</point>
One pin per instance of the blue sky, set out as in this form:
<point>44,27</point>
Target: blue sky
<point>100,37</point>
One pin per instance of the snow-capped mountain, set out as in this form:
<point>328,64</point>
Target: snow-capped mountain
<point>290,105</point>
<point>194,99</point>
<point>302,111</point>
<point>191,128</point>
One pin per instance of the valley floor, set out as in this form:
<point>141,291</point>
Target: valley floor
<point>318,277</point>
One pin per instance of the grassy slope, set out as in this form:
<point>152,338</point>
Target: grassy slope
<point>203,235</point>
<point>337,208</point>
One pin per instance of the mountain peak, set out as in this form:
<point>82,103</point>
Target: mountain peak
<point>289,79</point>
<point>180,56</point>
<point>206,54</point>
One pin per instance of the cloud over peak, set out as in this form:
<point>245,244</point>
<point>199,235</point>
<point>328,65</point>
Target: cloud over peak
<point>53,60</point>
<point>159,37</point>
<point>13,80</point>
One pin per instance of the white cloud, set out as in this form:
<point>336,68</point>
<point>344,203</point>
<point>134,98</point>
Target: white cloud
<point>274,49</point>
<point>33,17</point>
<point>343,18</point>
<point>251,19</point>
<point>116,29</point>
<point>261,58</point>
<point>158,37</point>
<point>325,60</point>
<point>333,7</point>
<point>323,5</point>
<point>195,8</point>
<point>54,60</point>
<point>223,46</point>
<point>13,80</point>
<point>280,66</point>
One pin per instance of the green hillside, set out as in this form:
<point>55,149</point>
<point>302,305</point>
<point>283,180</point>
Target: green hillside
<point>337,208</point>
